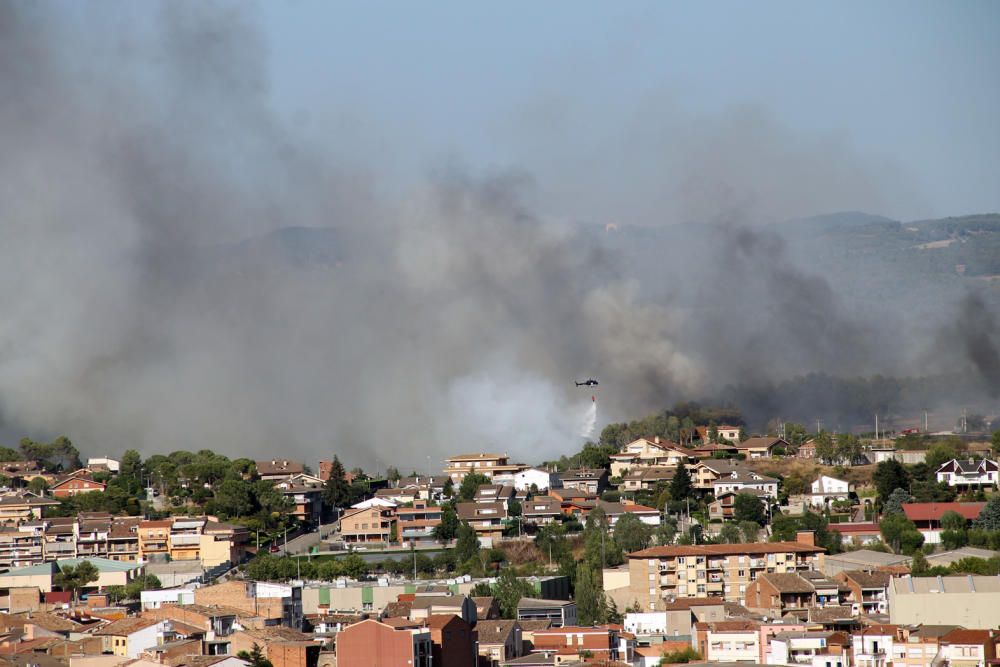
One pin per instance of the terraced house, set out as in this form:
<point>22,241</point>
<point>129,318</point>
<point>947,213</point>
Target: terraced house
<point>660,574</point>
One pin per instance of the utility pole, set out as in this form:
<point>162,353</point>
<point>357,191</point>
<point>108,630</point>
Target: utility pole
<point>925,421</point>
<point>876,427</point>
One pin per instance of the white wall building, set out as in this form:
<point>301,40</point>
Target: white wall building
<point>827,489</point>
<point>156,599</point>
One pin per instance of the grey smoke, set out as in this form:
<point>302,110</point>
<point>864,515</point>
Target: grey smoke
<point>184,270</point>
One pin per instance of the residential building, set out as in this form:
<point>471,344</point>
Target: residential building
<point>857,534</point>
<point>131,636</point>
<point>484,464</point>
<point>428,487</point>
<point>103,464</point>
<point>640,478</point>
<point>723,570</point>
<point>541,510</point>
<point>305,493</point>
<point>920,646</point>
<point>452,641</point>
<point>969,473</point>
<point>807,450</point>
<point>968,600</point>
<point>812,648</point>
<point>542,480</point>
<point>425,606</point>
<point>417,523</point>
<point>614,511</point>
<point>499,641</point>
<point>559,612</point>
<point>946,558</point>
<point>724,505</point>
<point>75,484</point>
<point>927,516</point>
<point>646,452</point>
<point>867,591</point>
<point>873,645</point>
<point>487,518</point>
<point>110,573</point>
<point>276,470</point>
<point>969,648</point>
<point>728,641</point>
<point>774,594</point>
<point>864,559</point>
<point>17,507</point>
<point>494,493</point>
<point>738,478</point>
<point>372,524</point>
<point>387,643</point>
<point>825,489</point>
<point>589,480</point>
<point>761,448</point>
<point>601,642</point>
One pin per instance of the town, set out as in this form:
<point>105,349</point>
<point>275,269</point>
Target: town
<point>671,540</point>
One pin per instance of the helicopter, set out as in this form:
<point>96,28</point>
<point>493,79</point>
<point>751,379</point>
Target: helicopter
<point>588,383</point>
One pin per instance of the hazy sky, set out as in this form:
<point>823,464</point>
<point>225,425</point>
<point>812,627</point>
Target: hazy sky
<point>911,85</point>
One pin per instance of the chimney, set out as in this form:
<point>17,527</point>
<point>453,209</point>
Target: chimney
<point>807,537</point>
<point>656,439</point>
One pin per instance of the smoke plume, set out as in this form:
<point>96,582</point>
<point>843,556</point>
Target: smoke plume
<point>184,270</point>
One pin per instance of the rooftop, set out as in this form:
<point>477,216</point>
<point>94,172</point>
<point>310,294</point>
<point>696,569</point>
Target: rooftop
<point>726,549</point>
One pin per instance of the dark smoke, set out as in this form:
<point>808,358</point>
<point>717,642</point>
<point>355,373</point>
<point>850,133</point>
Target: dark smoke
<point>978,333</point>
<point>185,270</point>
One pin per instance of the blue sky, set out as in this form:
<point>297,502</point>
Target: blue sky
<point>913,87</point>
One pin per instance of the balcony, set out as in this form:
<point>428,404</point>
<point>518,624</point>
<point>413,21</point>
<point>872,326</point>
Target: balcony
<point>183,540</point>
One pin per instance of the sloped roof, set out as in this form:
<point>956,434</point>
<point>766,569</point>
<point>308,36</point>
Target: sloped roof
<point>787,582</point>
<point>496,631</point>
<point>126,626</point>
<point>869,579</point>
<point>934,511</point>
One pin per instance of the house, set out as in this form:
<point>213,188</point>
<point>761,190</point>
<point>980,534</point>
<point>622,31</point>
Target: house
<point>920,646</point>
<point>372,643</point>
<point>857,534</point>
<point>968,600</point>
<point>428,487</point>
<point>927,516</point>
<point>487,518</point>
<point>487,607</point>
<point>614,511</point>
<point>825,489</point>
<point>417,523</point>
<point>75,484</point>
<point>541,510</point>
<point>727,433</point>
<point>110,573</point>
<point>276,470</point>
<point>867,591</point>
<point>559,612</point>
<point>663,573</point>
<point>969,648</point>
<point>541,480</point>
<point>678,618</point>
<point>642,478</point>
<point>644,452</point>
<point>15,508</point>
<point>305,493</point>
<point>966,474</point>
<point>484,464</point>
<point>774,594</point>
<point>591,481</point>
<point>452,641</point>
<point>875,645</point>
<point>103,464</point>
<point>724,505</point>
<point>737,478</point>
<point>492,493</point>
<point>715,450</point>
<point>424,606</point>
<point>728,641</point>
<point>372,524</point>
<point>602,642</point>
<point>499,641</point>
<point>762,448</point>
<point>132,635</point>
<point>807,450</point>
<point>812,648</point>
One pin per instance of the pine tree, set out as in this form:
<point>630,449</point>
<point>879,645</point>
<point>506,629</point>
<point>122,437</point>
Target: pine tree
<point>467,544</point>
<point>336,493</point>
<point>989,517</point>
<point>590,606</point>
<point>680,487</point>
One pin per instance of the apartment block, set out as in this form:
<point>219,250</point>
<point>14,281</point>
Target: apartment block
<point>483,464</point>
<point>371,643</point>
<point>368,524</point>
<point>660,574</point>
<point>417,523</point>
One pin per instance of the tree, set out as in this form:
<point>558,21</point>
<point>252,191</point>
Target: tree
<point>255,657</point>
<point>713,433</point>
<point>600,551</point>
<point>631,534</point>
<point>680,486</point>
<point>826,449</point>
<point>938,454</point>
<point>449,488</point>
<point>889,476</point>
<point>900,534</point>
<point>679,657</point>
<point>336,491</point>
<point>38,485</point>
<point>952,520</point>
<point>470,483</point>
<point>508,592</point>
<point>750,531</point>
<point>748,507</point>
<point>989,517</point>
<point>392,474</point>
<point>590,606</point>
<point>665,533</point>
<point>894,503</point>
<point>730,533</point>
<point>72,578</point>
<point>233,499</point>
<point>919,564</point>
<point>467,544</point>
<point>147,582</point>
<point>995,440</point>
<point>481,590</point>
<point>448,528</point>
<point>848,448</point>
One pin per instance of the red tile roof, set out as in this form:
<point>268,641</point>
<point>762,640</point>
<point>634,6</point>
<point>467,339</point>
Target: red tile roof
<point>934,511</point>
